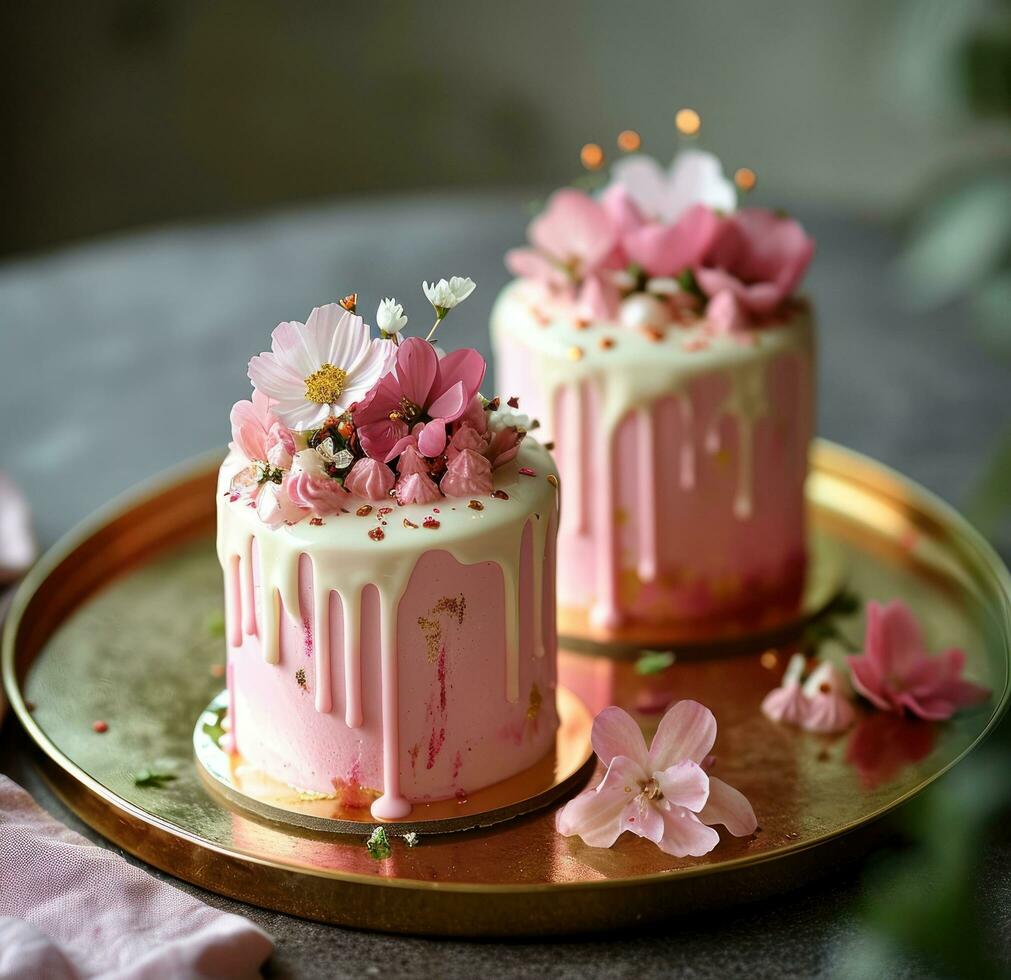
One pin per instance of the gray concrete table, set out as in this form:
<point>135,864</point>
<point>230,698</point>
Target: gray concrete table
<point>121,357</point>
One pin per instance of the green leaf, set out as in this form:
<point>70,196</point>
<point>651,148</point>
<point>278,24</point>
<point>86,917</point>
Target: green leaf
<point>960,241</point>
<point>153,779</point>
<point>216,624</point>
<point>379,844</point>
<point>991,500</point>
<point>653,662</point>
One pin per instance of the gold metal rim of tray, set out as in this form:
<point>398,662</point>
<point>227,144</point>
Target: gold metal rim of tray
<point>818,799</point>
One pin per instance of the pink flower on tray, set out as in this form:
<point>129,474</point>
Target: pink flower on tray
<point>417,400</point>
<point>574,242</point>
<point>665,793</point>
<point>759,257</point>
<point>895,672</point>
<point>321,367</point>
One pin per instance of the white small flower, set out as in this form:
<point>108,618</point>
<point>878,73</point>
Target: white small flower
<point>390,319</point>
<point>507,418</point>
<point>445,295</point>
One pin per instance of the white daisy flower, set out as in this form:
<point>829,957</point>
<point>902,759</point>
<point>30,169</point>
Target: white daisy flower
<point>320,368</point>
<point>390,319</point>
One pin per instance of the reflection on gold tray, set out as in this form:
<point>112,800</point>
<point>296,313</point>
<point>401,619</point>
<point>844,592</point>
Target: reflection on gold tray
<point>113,625</point>
<point>727,635</point>
<point>564,768</point>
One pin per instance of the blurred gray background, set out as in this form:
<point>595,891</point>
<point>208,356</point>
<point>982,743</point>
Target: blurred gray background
<point>128,112</point>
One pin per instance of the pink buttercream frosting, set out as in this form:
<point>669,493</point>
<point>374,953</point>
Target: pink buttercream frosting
<point>417,488</point>
<point>369,479</point>
<point>309,485</point>
<point>468,474</point>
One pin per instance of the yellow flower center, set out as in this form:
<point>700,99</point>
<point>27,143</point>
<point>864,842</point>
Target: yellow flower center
<point>324,386</point>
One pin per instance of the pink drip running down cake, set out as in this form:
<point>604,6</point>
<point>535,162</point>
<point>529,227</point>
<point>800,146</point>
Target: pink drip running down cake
<point>388,544</point>
<point>654,332</point>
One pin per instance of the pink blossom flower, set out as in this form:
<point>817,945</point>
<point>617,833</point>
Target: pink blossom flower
<point>787,703</point>
<point>319,368</point>
<point>828,705</point>
<point>895,672</point>
<point>662,250</point>
<point>369,479</point>
<point>417,400</point>
<point>468,475</point>
<point>664,793</point>
<point>758,256</point>
<point>310,486</point>
<point>259,435</point>
<point>574,243</point>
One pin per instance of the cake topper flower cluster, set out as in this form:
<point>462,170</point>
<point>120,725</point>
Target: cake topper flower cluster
<point>660,246</point>
<point>338,414</point>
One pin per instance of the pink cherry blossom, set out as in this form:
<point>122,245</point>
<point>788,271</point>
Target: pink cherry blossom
<point>574,242</point>
<point>310,487</point>
<point>420,397</point>
<point>787,703</point>
<point>665,793</point>
<point>259,434</point>
<point>468,475</point>
<point>369,479</point>
<point>758,256</point>
<point>895,672</point>
<point>829,708</point>
<point>661,249</point>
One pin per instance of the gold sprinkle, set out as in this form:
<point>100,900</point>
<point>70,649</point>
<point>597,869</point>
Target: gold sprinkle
<point>300,679</point>
<point>575,353</point>
<point>582,323</point>
<point>475,505</point>
<point>592,156</point>
<point>534,704</point>
<point>408,523</point>
<point>688,122</point>
<point>745,178</point>
<point>653,334</point>
<point>629,141</point>
<point>350,302</point>
<point>552,479</point>
<point>606,343</point>
<point>324,387</point>
<point>769,659</point>
<point>364,510</point>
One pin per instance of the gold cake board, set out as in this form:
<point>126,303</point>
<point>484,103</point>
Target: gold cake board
<point>563,769</point>
<point>113,625</point>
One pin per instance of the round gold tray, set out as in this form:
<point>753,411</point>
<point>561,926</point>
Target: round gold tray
<point>562,769</point>
<point>120,623</point>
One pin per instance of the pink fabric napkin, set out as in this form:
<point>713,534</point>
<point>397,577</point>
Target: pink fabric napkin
<point>69,909</point>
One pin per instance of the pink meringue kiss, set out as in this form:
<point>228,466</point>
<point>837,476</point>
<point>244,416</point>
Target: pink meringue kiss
<point>311,487</point>
<point>787,704</point>
<point>828,704</point>
<point>469,474</point>
<point>369,479</point>
<point>417,488</point>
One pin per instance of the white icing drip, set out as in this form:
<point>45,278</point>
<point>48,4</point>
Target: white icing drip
<point>345,560</point>
<point>321,643</point>
<point>646,517</point>
<point>686,469</point>
<point>746,403</point>
<point>351,607</point>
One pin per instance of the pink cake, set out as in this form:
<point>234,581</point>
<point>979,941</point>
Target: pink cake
<point>653,332</point>
<point>387,539</point>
